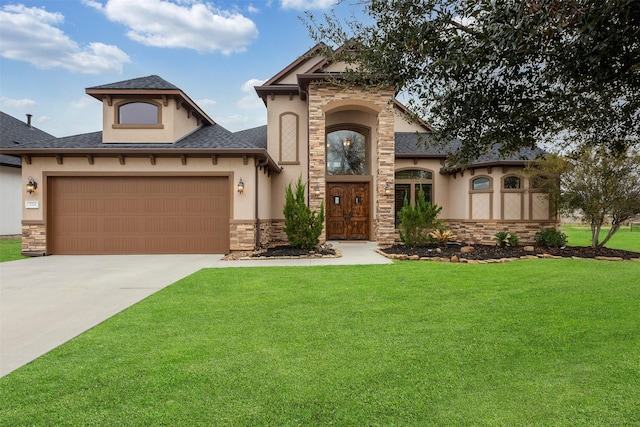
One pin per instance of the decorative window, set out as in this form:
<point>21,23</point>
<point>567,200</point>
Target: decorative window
<point>138,113</point>
<point>289,138</point>
<point>408,184</point>
<point>482,183</point>
<point>347,153</point>
<point>512,183</point>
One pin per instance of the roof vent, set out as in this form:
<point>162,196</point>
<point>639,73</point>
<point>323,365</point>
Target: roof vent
<point>29,116</point>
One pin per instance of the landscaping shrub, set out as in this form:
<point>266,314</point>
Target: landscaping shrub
<point>504,238</point>
<point>441,235</point>
<point>550,238</point>
<point>416,222</point>
<point>302,225</point>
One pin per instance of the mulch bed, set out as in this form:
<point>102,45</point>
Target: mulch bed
<point>488,252</point>
<point>449,252</point>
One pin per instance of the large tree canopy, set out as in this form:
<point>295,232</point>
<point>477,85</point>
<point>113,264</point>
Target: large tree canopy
<point>510,72</point>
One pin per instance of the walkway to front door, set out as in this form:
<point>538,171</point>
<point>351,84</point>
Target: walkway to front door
<point>348,211</point>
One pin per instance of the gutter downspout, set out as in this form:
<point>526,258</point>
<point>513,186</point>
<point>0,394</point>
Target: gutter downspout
<point>259,165</point>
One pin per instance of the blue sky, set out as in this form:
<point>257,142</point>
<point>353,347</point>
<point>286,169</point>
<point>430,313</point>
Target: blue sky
<point>215,51</point>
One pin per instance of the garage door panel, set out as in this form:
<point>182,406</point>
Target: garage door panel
<point>120,215</point>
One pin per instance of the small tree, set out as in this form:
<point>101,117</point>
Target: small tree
<point>416,222</point>
<point>302,225</point>
<point>601,184</point>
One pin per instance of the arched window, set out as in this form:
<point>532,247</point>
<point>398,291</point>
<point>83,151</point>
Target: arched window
<point>408,184</point>
<point>347,153</point>
<point>138,113</point>
<point>512,183</point>
<point>482,183</point>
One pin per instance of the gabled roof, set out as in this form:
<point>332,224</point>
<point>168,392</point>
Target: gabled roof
<point>147,86</point>
<point>14,133</point>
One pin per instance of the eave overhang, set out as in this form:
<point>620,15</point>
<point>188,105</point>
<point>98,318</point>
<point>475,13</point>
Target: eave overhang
<point>181,98</point>
<point>260,154</point>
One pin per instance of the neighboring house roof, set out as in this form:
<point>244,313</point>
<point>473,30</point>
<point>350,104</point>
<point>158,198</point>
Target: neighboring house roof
<point>15,133</point>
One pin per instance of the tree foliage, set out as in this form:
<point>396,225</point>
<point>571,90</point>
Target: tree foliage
<point>301,225</point>
<point>601,184</point>
<point>508,72</point>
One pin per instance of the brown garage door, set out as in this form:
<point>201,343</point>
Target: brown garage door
<point>138,215</point>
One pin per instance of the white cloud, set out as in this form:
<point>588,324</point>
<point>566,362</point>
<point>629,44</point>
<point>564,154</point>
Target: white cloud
<point>183,24</point>
<point>30,34</point>
<point>44,119</point>
<point>307,4</point>
<point>252,9</point>
<point>17,103</point>
<point>251,100</point>
<point>205,102</point>
<point>84,103</point>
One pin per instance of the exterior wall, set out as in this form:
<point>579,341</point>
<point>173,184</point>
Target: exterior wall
<point>524,211</point>
<point>402,125</point>
<point>11,192</point>
<point>176,123</point>
<point>242,206</point>
<point>282,104</point>
<point>483,232</point>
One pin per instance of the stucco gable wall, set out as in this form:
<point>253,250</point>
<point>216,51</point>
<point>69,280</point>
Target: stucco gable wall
<point>291,78</point>
<point>176,123</point>
<point>295,109</point>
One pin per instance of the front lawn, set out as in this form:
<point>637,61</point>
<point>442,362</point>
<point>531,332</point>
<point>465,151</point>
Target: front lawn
<point>535,342</point>
<point>625,239</point>
<point>10,249</point>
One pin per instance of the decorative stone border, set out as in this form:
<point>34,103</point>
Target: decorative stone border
<point>457,259</point>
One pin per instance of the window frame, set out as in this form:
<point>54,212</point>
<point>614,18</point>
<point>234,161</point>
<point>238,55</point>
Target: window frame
<point>362,130</point>
<point>413,183</point>
<point>118,105</point>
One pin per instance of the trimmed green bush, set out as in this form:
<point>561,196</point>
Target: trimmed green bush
<point>416,222</point>
<point>302,225</point>
<point>550,238</point>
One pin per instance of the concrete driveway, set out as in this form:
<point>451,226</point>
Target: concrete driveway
<point>46,301</point>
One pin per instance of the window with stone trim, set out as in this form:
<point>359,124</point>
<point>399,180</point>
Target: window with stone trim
<point>348,152</point>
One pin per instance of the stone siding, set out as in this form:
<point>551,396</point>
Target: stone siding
<point>34,239</point>
<point>383,154</point>
<point>242,236</point>
<point>483,232</point>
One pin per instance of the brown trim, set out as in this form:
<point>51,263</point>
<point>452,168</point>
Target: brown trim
<point>487,191</point>
<point>131,126</point>
<point>179,96</point>
<point>296,142</point>
<point>549,213</point>
<point>116,114</point>
<point>304,57</point>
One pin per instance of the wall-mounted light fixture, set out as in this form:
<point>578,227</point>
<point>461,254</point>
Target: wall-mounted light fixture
<point>387,189</point>
<point>240,186</point>
<point>32,185</point>
<point>346,142</point>
<point>316,191</point>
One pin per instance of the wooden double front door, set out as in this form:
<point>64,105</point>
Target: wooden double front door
<point>348,211</point>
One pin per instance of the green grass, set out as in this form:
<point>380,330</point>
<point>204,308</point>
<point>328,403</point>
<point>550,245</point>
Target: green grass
<point>535,342</point>
<point>625,239</point>
<point>10,249</point>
